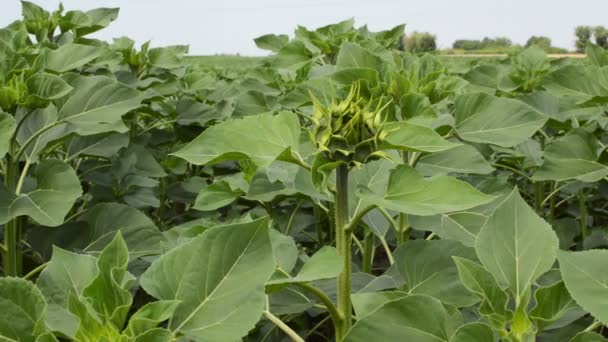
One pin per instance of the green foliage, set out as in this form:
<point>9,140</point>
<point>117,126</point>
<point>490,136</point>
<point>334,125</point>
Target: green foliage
<point>147,196</point>
<point>583,36</point>
<point>416,42</point>
<point>600,33</point>
<point>540,41</point>
<point>485,43</point>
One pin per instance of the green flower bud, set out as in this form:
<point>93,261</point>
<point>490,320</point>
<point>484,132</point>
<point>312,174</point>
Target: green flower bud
<point>348,130</point>
<point>12,93</point>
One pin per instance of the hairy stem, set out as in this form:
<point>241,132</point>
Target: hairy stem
<point>12,234</point>
<point>538,196</point>
<point>403,229</point>
<point>583,211</point>
<point>331,308</point>
<point>368,252</point>
<point>286,329</point>
<point>343,245</point>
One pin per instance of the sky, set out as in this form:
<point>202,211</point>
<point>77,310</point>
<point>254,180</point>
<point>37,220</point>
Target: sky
<point>229,26</point>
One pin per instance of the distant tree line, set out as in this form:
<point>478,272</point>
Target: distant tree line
<point>419,42</point>
<point>416,42</point>
<point>585,33</point>
<point>485,43</point>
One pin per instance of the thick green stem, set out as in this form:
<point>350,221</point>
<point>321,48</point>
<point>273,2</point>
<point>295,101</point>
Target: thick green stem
<point>538,196</point>
<point>160,213</point>
<point>318,226</point>
<point>11,263</point>
<point>403,229</point>
<point>343,245</point>
<point>552,203</point>
<point>12,234</point>
<point>368,252</point>
<point>583,211</point>
<point>336,317</point>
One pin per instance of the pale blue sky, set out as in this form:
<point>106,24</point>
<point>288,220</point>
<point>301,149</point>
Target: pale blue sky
<point>229,26</point>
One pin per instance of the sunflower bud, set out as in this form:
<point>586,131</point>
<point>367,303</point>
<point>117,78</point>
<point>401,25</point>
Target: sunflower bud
<point>12,93</point>
<point>348,130</point>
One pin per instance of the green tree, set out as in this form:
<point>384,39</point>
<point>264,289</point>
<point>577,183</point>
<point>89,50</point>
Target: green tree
<point>601,36</point>
<point>540,41</point>
<point>498,42</point>
<point>583,36</point>
<point>467,44</point>
<point>420,42</point>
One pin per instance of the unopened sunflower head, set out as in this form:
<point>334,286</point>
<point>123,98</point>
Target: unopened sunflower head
<point>348,130</point>
<point>12,93</point>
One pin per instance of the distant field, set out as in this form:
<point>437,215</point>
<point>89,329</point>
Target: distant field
<point>226,60</point>
<point>237,61</point>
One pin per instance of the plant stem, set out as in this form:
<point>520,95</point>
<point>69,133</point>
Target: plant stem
<point>36,270</point>
<point>292,218</point>
<point>538,196</point>
<point>368,252</point>
<point>318,227</point>
<point>160,213</point>
<point>387,250</point>
<point>286,329</point>
<point>402,231</point>
<point>343,245</point>
<point>12,249</point>
<point>335,315</point>
<point>583,212</point>
<point>12,235</point>
<point>593,326</point>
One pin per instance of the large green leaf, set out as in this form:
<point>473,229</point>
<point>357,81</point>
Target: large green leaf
<point>96,19</point>
<point>596,55</point>
<point>95,229</point>
<point>553,303</point>
<point>588,336</point>
<point>516,245</point>
<point>271,42</point>
<point>218,194</point>
<point>413,318</point>
<point>7,128</point>
<point>22,309</point>
<point>104,145</point>
<point>66,272</point>
<point>473,332</point>
<point>480,282</point>
<point>57,188</point>
<point>409,192</point>
<point>573,156</point>
<point>582,82</point>
<point>71,56</point>
<point>150,315</point>
<point>367,302</point>
<point>461,159</point>
<point>374,176</point>
<point>96,104</point>
<point>410,137</point>
<point>585,276</point>
<point>463,226</point>
<point>324,264</point>
<point>488,119</point>
<point>38,123</point>
<point>108,293</point>
<point>219,278</point>
<point>282,179</point>
<point>138,231</point>
<point>353,55</point>
<point>44,86</point>
<point>427,268</point>
<point>260,138</point>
